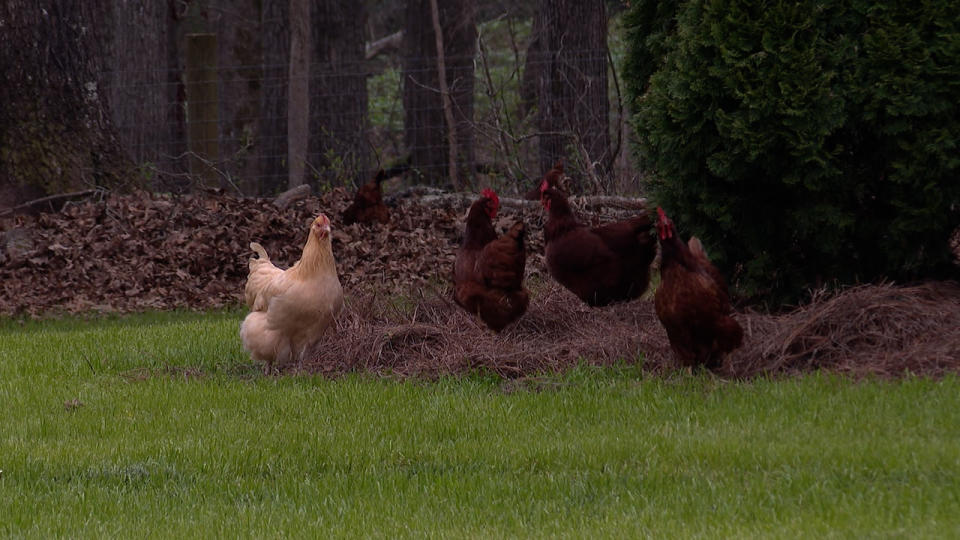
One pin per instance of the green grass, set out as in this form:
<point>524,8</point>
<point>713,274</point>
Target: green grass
<point>177,434</point>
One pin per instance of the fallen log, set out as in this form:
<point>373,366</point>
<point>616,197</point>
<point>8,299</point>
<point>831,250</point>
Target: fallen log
<point>593,202</point>
<point>290,196</point>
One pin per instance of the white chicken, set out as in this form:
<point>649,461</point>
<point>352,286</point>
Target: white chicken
<point>290,309</point>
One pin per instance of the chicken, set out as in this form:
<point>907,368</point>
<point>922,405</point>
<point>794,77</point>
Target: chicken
<point>692,301</point>
<point>601,265</point>
<point>367,205</point>
<point>554,178</point>
<point>290,309</point>
<point>488,272</point>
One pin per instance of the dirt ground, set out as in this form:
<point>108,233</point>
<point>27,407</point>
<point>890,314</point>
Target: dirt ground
<point>144,251</point>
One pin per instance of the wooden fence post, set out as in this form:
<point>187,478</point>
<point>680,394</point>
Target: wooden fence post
<point>203,105</point>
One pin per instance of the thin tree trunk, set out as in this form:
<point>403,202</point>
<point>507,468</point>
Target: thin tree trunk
<point>339,151</point>
<point>272,130</point>
<point>445,96</point>
<point>202,106</point>
<point>240,77</point>
<point>425,125</point>
<point>174,111</point>
<point>298,119</point>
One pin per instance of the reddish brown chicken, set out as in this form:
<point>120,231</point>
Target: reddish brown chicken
<point>368,206</point>
<point>554,178</point>
<point>488,272</point>
<point>601,265</point>
<point>692,301</point>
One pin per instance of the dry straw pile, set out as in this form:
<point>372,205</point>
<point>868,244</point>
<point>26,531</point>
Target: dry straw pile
<point>144,251</point>
<point>881,330</point>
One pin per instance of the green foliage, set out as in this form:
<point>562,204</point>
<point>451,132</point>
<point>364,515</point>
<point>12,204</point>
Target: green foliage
<point>805,142</point>
<point>648,24</point>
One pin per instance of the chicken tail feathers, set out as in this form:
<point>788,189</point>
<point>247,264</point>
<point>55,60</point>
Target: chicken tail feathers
<point>260,251</point>
<point>518,232</point>
<point>696,247</point>
<point>729,334</point>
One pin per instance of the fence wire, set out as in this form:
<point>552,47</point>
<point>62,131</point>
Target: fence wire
<point>236,135</point>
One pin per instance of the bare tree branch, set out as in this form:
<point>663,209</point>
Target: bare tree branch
<point>49,198</point>
<point>378,47</point>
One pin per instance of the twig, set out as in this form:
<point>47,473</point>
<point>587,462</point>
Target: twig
<point>589,166</point>
<point>393,41</point>
<point>49,198</point>
<point>616,85</point>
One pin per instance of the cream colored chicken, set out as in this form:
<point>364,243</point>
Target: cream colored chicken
<point>290,309</point>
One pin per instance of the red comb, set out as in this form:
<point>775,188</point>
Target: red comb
<point>664,227</point>
<point>545,185</point>
<point>490,194</point>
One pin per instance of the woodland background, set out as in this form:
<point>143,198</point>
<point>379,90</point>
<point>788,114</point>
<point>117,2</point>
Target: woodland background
<point>257,96</point>
<point>807,145</point>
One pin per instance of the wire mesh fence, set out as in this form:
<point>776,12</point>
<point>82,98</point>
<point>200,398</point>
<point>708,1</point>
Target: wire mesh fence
<point>228,125</point>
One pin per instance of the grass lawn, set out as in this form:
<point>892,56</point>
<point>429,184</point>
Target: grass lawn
<point>158,425</point>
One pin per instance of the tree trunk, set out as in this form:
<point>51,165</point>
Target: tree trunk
<point>298,91</point>
<point>339,150</point>
<point>175,109</point>
<point>56,133</point>
<point>449,122</point>
<point>573,106</point>
<point>135,82</point>
<point>203,111</point>
<point>424,125</point>
<point>240,55</point>
<point>272,140</point>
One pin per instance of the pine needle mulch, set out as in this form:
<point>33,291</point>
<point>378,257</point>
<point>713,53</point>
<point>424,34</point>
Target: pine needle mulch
<point>871,330</point>
<point>144,251</point>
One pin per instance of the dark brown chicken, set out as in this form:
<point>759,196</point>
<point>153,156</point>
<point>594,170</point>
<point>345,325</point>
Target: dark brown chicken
<point>554,178</point>
<point>368,206</point>
<point>488,272</point>
<point>601,265</point>
<point>692,301</point>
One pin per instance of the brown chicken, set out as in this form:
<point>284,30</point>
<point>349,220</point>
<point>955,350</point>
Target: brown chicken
<point>488,272</point>
<point>554,178</point>
<point>367,205</point>
<point>601,265</point>
<point>692,301</point>
<point>290,309</point>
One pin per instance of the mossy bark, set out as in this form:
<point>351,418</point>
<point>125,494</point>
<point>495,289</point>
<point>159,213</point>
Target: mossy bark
<point>55,134</point>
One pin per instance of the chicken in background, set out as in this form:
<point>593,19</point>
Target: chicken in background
<point>554,178</point>
<point>368,205</point>
<point>290,309</point>
<point>692,301</point>
<point>488,272</point>
<point>601,265</point>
